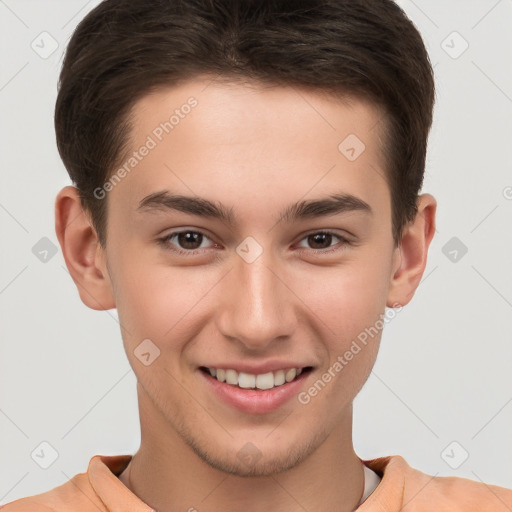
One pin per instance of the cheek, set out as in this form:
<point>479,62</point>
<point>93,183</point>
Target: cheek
<point>347,298</point>
<point>158,302</point>
<point>351,305</point>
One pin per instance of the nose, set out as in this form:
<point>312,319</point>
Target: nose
<point>257,303</point>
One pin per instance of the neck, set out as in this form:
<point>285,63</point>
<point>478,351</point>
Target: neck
<point>170,476</point>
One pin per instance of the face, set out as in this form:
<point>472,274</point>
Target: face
<point>273,284</point>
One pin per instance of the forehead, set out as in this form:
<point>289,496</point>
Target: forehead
<point>242,140</point>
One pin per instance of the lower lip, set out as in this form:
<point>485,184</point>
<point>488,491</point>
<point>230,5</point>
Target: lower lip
<point>252,400</point>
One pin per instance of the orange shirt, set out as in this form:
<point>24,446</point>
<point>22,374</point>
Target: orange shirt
<point>401,488</point>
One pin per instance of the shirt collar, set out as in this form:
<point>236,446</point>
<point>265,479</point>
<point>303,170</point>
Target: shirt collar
<point>103,472</point>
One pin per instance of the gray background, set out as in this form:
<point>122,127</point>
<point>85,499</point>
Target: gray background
<point>441,389</point>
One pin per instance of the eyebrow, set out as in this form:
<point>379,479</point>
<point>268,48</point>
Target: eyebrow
<point>332,205</point>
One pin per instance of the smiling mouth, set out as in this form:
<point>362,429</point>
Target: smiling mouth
<point>261,382</point>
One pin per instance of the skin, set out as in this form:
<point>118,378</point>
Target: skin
<point>256,150</point>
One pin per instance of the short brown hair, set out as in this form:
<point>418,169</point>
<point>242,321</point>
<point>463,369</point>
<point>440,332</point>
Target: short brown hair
<point>123,49</point>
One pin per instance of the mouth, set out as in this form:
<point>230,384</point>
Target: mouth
<point>259,382</point>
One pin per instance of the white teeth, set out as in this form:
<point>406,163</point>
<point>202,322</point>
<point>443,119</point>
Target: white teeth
<point>231,377</point>
<point>290,374</point>
<point>244,380</point>
<point>265,380</point>
<point>279,378</point>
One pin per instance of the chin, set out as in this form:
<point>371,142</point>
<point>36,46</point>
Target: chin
<point>256,458</point>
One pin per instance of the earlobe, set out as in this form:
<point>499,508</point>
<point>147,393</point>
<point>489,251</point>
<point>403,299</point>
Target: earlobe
<point>84,257</point>
<point>412,253</point>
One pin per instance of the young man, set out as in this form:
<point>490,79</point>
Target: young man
<point>246,195</point>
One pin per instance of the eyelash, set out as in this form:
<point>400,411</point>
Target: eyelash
<point>165,242</point>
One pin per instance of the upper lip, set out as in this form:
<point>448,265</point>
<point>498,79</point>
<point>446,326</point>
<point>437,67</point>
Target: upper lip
<point>258,369</point>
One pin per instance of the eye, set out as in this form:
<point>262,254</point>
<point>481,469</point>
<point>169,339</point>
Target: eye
<point>190,242</point>
<point>321,241</point>
<point>186,241</point>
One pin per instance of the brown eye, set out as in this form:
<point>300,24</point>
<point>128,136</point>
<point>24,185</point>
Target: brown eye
<point>184,242</point>
<point>189,239</point>
<point>322,242</point>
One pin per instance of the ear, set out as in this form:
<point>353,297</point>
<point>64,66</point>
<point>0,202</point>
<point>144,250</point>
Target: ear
<point>410,258</point>
<point>84,256</point>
